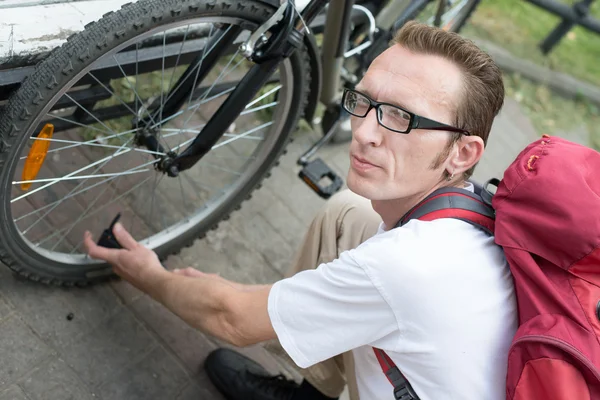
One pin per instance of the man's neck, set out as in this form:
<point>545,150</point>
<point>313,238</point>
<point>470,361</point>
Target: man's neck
<point>391,211</point>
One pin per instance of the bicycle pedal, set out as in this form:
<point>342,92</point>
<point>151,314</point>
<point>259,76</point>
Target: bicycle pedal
<point>107,239</point>
<point>320,178</point>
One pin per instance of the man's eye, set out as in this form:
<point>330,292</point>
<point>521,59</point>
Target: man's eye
<point>396,113</point>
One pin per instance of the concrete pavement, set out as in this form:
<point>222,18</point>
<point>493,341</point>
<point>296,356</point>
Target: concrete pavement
<point>121,345</point>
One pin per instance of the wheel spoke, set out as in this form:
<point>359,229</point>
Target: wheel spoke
<point>90,143</point>
<point>78,124</point>
<point>199,64</point>
<point>98,210</point>
<point>89,113</point>
<point>196,105</point>
<point>99,166</point>
<point>177,61</point>
<point>81,191</point>
<point>242,135</point>
<point>255,109</point>
<point>221,75</point>
<point>221,169</point>
<point>270,92</point>
<point>77,177</point>
<point>114,95</point>
<point>162,81</point>
<point>132,87</point>
<point>87,142</point>
<point>102,161</point>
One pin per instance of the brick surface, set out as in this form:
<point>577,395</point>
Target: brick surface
<point>5,309</point>
<point>12,393</point>
<point>194,392</point>
<point>45,308</point>
<point>123,345</point>
<point>103,354</point>
<point>156,376</point>
<point>188,344</point>
<point>20,350</point>
<point>54,380</point>
<point>258,231</point>
<point>248,265</point>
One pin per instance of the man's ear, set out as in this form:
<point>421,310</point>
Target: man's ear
<point>466,153</point>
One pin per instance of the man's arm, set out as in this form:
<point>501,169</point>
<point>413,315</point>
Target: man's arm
<point>235,313</point>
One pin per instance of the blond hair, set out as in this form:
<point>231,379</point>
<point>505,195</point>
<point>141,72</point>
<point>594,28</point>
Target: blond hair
<point>482,94</point>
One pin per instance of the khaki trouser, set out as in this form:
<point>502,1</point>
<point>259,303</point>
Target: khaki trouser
<point>345,221</point>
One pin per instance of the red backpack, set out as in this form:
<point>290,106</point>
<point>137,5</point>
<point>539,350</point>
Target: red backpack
<point>546,216</point>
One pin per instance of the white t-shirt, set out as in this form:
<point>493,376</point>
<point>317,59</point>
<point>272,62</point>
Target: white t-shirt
<point>437,296</point>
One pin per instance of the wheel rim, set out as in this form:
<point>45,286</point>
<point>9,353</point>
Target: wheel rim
<point>52,214</point>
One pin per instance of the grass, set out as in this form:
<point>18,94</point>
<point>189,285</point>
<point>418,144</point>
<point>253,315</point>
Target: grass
<point>554,114</point>
<point>520,27</point>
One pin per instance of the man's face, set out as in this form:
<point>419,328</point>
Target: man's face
<point>386,165</point>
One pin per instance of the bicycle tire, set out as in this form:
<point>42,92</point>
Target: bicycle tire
<point>61,68</point>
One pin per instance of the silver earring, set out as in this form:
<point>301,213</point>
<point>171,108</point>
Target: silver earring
<point>450,178</point>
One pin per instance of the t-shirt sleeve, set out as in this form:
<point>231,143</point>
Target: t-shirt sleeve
<point>318,314</point>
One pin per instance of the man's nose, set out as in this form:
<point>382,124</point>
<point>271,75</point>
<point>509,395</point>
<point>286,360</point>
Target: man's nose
<point>367,130</point>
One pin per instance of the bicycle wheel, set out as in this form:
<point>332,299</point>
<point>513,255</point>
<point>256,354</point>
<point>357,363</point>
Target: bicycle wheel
<point>69,140</point>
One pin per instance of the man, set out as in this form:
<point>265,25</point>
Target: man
<point>436,296</point>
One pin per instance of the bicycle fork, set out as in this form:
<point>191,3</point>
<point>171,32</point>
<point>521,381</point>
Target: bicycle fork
<point>267,54</point>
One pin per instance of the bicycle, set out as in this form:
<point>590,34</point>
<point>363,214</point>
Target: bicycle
<point>146,135</point>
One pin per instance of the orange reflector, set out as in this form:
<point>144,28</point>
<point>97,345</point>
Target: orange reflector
<point>37,155</point>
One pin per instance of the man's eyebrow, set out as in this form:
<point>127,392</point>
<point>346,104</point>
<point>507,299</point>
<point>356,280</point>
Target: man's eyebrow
<point>364,90</point>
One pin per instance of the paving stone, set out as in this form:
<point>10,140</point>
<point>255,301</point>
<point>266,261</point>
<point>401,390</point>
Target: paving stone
<point>247,265</point>
<point>206,258</point>
<point>20,350</point>
<point>302,202</point>
<point>5,309</point>
<point>54,380</point>
<point>261,236</point>
<point>578,134</point>
<point>194,392</point>
<point>12,393</point>
<point>45,308</point>
<point>101,355</point>
<point>189,344</point>
<point>126,292</point>
<point>156,376</point>
<point>284,222</point>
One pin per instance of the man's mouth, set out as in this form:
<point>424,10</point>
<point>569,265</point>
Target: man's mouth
<point>361,163</point>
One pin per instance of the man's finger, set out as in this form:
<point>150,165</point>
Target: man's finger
<point>98,252</point>
<point>123,237</point>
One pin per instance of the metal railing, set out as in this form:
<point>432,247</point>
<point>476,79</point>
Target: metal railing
<point>577,14</point>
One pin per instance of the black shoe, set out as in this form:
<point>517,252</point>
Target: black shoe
<point>240,378</point>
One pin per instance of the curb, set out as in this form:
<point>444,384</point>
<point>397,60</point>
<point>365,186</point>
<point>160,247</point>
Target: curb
<point>561,83</point>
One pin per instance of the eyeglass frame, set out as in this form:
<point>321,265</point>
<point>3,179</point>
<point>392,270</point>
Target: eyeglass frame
<point>416,121</point>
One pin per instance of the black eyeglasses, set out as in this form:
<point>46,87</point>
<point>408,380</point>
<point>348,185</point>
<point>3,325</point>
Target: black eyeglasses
<point>389,116</point>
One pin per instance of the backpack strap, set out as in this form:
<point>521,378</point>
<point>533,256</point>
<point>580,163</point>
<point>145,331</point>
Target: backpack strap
<point>453,203</point>
<point>443,203</point>
<point>402,388</point>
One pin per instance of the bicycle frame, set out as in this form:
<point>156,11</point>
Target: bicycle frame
<point>286,37</point>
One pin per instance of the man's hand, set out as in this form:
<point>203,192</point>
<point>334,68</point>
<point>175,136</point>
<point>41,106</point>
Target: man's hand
<point>232,312</point>
<point>134,263</point>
